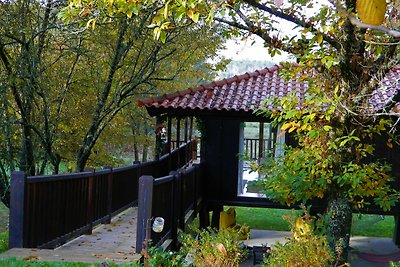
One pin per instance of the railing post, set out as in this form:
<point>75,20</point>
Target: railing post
<point>145,203</point>
<point>195,187</point>
<point>17,210</point>
<point>177,208</point>
<point>90,204</point>
<point>109,192</point>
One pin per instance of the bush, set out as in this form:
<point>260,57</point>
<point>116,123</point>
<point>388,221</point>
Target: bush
<point>304,248</point>
<point>213,248</point>
<point>3,241</point>
<point>161,258</point>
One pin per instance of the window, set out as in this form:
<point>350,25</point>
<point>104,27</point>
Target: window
<point>257,141</point>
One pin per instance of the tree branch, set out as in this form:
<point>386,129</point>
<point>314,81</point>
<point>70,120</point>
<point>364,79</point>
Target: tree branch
<point>363,25</point>
<point>294,20</point>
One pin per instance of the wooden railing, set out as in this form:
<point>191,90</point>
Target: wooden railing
<point>47,211</point>
<point>175,197</point>
<point>252,148</point>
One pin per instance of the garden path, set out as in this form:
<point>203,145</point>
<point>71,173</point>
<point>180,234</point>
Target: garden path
<point>113,242</point>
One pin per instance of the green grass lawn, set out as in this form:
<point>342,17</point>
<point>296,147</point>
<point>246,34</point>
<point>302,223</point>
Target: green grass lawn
<point>271,219</point>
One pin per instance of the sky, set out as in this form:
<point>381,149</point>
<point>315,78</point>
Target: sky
<point>239,50</point>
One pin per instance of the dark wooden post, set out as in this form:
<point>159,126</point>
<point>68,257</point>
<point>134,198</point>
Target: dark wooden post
<point>177,208</point>
<point>204,216</point>
<point>178,139</point>
<point>195,187</point>
<point>109,192</point>
<point>396,232</point>
<point>216,210</point>
<point>186,129</point>
<point>17,210</point>
<point>145,203</point>
<point>158,148</point>
<point>169,134</point>
<point>261,143</point>
<point>90,204</point>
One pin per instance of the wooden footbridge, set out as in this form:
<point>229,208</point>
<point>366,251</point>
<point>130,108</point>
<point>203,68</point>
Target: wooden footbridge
<point>104,214</point>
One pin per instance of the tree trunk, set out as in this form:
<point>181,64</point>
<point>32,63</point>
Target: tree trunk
<point>27,162</point>
<point>340,212</point>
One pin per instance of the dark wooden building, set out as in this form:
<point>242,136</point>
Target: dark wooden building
<point>226,109</point>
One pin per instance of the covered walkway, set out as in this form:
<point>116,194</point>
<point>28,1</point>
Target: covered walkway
<point>113,242</point>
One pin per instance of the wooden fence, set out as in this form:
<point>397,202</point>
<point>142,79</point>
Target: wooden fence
<point>175,197</point>
<point>47,211</point>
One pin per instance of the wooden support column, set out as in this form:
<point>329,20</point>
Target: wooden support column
<point>192,147</point>
<point>169,131</point>
<point>396,232</point>
<point>271,141</point>
<point>204,217</point>
<point>169,135</point>
<point>186,129</point>
<point>261,142</point>
<point>17,210</point>
<point>158,139</point>
<point>145,203</point>
<point>178,138</point>
<point>187,148</point>
<point>215,216</point>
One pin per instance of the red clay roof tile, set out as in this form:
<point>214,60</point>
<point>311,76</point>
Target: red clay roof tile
<point>247,91</point>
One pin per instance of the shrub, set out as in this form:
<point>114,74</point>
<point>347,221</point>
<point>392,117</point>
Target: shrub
<point>213,248</point>
<point>304,248</point>
<point>3,241</point>
<point>161,258</point>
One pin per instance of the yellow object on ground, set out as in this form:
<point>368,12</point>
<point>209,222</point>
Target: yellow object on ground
<point>227,220</point>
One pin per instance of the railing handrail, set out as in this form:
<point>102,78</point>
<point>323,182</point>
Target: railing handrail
<point>182,201</point>
<point>58,177</point>
<point>163,180</point>
<point>75,202</point>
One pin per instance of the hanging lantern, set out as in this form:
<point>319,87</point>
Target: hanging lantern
<point>371,11</point>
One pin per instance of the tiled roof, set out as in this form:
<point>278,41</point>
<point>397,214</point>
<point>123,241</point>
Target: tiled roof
<point>388,88</point>
<point>245,93</point>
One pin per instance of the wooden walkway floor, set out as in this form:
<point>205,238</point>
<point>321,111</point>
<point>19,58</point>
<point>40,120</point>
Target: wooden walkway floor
<point>113,242</point>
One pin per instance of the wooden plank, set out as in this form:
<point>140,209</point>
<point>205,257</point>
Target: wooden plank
<point>144,210</point>
<point>17,209</point>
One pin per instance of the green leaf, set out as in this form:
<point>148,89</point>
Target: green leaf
<point>327,128</point>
